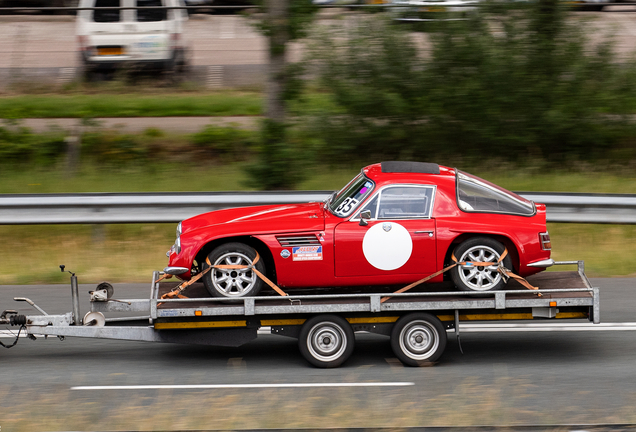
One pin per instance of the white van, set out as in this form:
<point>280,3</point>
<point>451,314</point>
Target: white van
<point>111,38</point>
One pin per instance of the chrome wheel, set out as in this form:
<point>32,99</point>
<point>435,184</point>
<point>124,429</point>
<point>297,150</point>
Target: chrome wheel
<point>480,278</point>
<point>326,341</point>
<point>419,340</point>
<point>233,282</point>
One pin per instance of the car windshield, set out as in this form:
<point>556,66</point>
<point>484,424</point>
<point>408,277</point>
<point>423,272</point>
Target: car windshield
<point>346,201</point>
<point>478,195</point>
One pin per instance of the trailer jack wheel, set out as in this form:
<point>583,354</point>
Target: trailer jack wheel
<point>326,341</point>
<point>418,339</point>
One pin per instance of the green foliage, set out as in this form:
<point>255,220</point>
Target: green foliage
<point>113,148</point>
<point>281,161</point>
<point>376,82</point>
<point>19,146</point>
<point>301,15</point>
<point>227,142</point>
<point>508,82</point>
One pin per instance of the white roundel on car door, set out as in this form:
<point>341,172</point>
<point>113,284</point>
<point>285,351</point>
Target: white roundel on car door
<point>387,246</point>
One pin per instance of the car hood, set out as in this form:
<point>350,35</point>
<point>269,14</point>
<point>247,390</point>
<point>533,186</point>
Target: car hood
<point>270,218</point>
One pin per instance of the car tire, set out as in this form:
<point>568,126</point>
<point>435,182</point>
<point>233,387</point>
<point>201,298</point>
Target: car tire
<point>479,278</point>
<point>326,341</point>
<point>418,339</point>
<point>232,283</point>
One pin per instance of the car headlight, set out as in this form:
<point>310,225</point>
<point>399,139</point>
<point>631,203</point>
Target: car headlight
<point>176,247</point>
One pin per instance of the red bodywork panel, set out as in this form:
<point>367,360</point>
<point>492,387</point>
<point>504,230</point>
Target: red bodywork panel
<point>340,253</point>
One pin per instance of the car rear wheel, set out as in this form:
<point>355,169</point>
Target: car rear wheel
<point>469,277</point>
<point>326,340</point>
<point>233,283</point>
<point>418,339</point>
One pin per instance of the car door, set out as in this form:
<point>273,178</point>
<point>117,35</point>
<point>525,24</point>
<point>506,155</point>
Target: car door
<point>399,239</point>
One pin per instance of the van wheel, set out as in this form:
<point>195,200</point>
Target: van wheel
<point>418,339</point>
<point>326,341</point>
<point>233,283</point>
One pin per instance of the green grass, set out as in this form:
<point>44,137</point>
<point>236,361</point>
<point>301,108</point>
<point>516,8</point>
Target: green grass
<point>130,253</point>
<point>213,175</point>
<point>131,105</point>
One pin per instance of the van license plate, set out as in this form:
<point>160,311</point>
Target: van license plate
<point>110,51</point>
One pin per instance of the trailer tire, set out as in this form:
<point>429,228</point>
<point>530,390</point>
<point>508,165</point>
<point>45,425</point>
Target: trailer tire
<point>233,283</point>
<point>326,341</point>
<point>418,339</point>
<point>471,278</point>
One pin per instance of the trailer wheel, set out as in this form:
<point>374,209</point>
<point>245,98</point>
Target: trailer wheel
<point>479,278</point>
<point>233,283</point>
<point>418,339</point>
<point>326,340</point>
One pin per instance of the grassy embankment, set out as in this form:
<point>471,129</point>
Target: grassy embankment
<point>128,253</point>
<point>130,104</point>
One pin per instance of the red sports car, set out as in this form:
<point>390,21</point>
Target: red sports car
<point>394,223</point>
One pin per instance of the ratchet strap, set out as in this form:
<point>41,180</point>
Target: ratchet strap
<point>505,273</point>
<point>177,292</point>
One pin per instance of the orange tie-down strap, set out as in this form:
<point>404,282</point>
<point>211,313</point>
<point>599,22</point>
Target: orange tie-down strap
<point>177,292</point>
<point>500,268</point>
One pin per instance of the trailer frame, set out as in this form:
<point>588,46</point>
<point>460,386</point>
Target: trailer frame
<point>213,321</point>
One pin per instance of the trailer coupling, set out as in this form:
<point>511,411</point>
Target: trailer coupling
<point>11,317</point>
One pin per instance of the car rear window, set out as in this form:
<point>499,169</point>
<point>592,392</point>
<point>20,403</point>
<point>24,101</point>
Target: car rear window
<point>107,15</point>
<point>478,195</point>
<point>147,15</point>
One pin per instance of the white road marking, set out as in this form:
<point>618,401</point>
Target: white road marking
<point>215,77</point>
<point>227,28</point>
<point>66,75</point>
<point>244,386</point>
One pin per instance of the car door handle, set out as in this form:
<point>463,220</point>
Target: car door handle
<point>429,232</point>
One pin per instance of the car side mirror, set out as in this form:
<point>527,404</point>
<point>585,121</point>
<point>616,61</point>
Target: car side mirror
<point>364,217</point>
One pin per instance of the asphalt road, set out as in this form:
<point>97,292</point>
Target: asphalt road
<point>502,378</point>
<point>227,51</point>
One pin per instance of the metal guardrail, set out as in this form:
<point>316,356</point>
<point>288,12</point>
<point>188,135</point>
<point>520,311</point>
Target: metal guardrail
<point>107,208</point>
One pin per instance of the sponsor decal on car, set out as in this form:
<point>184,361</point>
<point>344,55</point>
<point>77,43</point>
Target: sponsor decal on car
<point>285,253</point>
<point>307,253</point>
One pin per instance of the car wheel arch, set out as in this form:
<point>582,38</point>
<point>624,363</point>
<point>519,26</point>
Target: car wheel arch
<point>261,248</point>
<point>506,241</point>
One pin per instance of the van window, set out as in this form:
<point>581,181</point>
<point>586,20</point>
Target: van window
<point>147,15</point>
<point>108,15</point>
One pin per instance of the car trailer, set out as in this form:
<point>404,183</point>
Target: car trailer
<point>324,324</point>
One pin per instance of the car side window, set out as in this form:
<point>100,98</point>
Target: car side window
<point>372,206</point>
<point>405,202</point>
<point>107,15</point>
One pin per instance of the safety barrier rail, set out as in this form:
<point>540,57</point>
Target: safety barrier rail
<point>108,208</point>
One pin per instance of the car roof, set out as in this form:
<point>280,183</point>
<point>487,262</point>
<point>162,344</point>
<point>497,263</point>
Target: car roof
<point>400,171</point>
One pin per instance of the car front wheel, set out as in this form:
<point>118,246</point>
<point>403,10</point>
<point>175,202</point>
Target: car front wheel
<point>470,277</point>
<point>233,282</point>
